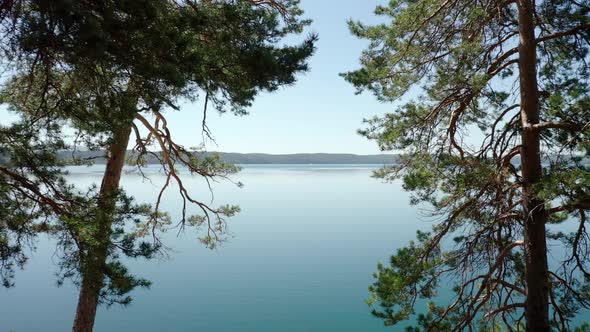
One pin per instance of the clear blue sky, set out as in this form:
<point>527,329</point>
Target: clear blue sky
<point>320,113</point>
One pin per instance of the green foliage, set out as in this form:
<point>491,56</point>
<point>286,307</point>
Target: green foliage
<point>99,69</point>
<point>226,48</point>
<point>410,275</point>
<point>450,67</point>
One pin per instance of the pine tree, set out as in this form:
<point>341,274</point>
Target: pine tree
<point>493,117</point>
<point>109,71</point>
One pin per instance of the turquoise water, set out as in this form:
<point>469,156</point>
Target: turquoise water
<point>300,258</point>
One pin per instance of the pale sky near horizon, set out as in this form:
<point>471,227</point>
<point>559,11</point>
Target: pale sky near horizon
<point>319,113</point>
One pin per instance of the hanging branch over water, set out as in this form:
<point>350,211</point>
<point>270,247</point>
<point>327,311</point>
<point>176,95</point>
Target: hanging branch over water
<point>457,68</point>
<point>110,72</point>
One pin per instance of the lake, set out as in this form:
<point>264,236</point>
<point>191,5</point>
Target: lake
<point>300,258</point>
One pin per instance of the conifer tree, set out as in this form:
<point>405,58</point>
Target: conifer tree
<point>109,71</point>
<point>493,120</point>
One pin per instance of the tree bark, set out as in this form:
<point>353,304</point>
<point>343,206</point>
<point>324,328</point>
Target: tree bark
<point>535,216</point>
<point>95,255</point>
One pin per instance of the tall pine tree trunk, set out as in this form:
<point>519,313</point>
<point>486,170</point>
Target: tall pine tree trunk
<point>535,216</point>
<point>93,264</point>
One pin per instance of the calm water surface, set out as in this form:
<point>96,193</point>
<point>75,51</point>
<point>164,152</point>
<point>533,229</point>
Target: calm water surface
<point>300,259</point>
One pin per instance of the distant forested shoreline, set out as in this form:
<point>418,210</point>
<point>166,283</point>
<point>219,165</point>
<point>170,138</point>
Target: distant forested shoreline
<point>98,157</point>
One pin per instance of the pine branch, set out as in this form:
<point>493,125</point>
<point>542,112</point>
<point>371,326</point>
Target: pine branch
<point>570,126</point>
<point>561,34</point>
